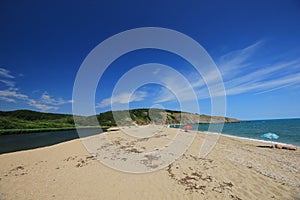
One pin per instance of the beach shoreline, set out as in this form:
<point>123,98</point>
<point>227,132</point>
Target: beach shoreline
<point>251,139</point>
<point>235,169</point>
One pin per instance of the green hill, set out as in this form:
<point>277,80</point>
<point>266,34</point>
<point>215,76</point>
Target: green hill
<point>158,116</point>
<point>21,120</point>
<point>27,119</point>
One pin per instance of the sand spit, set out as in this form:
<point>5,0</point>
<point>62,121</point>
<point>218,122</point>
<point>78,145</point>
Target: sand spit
<point>234,169</point>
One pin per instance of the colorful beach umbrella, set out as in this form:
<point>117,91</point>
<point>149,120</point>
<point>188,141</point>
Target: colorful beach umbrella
<point>186,128</point>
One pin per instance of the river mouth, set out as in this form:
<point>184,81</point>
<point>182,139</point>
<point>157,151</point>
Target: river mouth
<point>20,142</point>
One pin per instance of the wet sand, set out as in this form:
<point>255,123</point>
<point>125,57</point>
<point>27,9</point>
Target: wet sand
<point>234,169</point>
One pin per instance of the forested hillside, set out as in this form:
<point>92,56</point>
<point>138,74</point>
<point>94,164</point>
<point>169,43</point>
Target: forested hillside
<point>27,119</point>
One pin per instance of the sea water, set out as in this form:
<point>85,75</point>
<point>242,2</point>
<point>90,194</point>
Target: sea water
<point>288,130</point>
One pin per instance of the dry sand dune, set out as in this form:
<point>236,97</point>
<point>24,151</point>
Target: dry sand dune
<point>234,169</point>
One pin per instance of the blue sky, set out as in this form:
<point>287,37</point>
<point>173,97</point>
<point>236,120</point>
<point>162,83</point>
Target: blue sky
<point>255,44</point>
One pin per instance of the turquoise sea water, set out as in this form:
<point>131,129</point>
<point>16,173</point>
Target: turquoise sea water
<point>287,129</point>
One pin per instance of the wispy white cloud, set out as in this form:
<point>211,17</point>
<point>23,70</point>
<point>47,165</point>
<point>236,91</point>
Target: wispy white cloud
<point>6,78</point>
<point>164,95</point>
<point>156,71</point>
<point>8,83</point>
<point>5,73</point>
<point>47,99</point>
<point>275,88</point>
<point>123,98</point>
<point>7,99</point>
<point>250,76</point>
<point>241,73</point>
<point>233,61</point>
<point>174,88</point>
<point>12,94</point>
<point>262,86</point>
<point>42,107</point>
<point>15,97</point>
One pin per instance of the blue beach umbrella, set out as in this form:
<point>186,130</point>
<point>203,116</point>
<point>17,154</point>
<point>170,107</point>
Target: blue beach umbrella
<point>270,136</point>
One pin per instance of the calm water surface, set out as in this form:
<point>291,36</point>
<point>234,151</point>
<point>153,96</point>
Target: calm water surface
<point>11,143</point>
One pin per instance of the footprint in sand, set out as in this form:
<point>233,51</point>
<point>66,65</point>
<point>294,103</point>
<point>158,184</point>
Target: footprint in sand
<point>17,171</point>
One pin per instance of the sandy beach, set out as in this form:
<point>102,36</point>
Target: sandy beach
<point>234,169</point>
